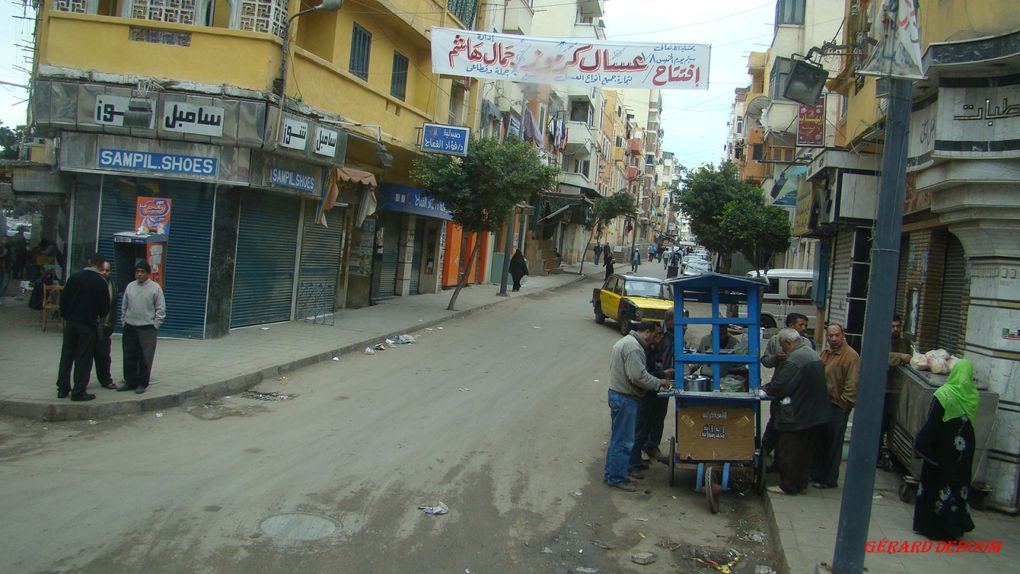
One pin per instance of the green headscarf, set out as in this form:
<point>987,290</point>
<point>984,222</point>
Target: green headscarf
<point>959,396</point>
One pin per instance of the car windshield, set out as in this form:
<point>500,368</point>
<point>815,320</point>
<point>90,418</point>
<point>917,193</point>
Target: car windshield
<point>644,289</point>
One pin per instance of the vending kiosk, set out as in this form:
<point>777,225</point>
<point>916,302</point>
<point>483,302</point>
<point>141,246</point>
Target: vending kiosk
<point>130,247</point>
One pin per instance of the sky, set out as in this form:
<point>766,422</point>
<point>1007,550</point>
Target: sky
<point>694,121</point>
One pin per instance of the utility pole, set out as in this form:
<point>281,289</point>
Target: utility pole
<point>859,484</point>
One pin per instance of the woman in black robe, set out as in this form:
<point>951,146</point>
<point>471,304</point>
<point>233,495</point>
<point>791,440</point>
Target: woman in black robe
<point>608,262</point>
<point>518,269</point>
<point>946,443</point>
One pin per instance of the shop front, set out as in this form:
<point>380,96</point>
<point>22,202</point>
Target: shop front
<point>409,233</point>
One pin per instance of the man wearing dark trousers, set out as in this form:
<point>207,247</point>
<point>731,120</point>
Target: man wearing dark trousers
<point>771,357</point>
<point>653,408</point>
<point>83,301</point>
<point>799,388</point>
<point>106,325</point>
<point>842,371</point>
<point>143,311</point>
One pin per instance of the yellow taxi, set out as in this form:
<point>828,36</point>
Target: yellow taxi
<point>628,299</point>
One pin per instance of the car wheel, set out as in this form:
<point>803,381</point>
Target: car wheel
<point>600,317</point>
<point>624,323</point>
<point>768,322</point>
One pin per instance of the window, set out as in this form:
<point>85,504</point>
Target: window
<point>581,111</point>
<point>779,77</point>
<point>790,12</point>
<point>457,92</point>
<point>582,166</point>
<point>740,125</point>
<point>398,81</point>
<point>619,141</point>
<point>464,10</point>
<point>361,49</point>
<point>757,152</point>
<point>798,289</point>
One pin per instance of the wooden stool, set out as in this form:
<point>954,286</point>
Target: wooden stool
<point>51,303</point>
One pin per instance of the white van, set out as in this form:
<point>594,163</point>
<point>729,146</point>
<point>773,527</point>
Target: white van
<point>788,291</point>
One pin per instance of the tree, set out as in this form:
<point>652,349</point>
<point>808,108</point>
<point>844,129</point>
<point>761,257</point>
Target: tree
<point>10,141</point>
<point>605,210</point>
<point>758,231</point>
<point>707,192</point>
<point>482,188</point>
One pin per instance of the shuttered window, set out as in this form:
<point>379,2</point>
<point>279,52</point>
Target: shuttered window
<point>361,51</point>
<point>464,10</point>
<point>955,291</point>
<point>398,82</point>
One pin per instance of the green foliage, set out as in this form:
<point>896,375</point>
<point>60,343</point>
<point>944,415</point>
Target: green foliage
<point>758,230</point>
<point>482,188</point>
<point>10,141</point>
<point>608,208</point>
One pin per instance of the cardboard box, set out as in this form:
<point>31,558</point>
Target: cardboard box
<point>715,433</point>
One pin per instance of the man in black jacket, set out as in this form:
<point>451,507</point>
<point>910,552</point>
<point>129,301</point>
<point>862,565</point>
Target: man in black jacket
<point>799,386</point>
<point>84,300</point>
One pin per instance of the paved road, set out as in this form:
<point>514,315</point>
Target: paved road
<point>500,415</point>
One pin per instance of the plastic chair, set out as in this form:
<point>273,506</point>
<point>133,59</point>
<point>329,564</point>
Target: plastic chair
<point>51,304</point>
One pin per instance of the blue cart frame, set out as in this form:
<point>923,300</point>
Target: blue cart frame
<point>718,290</point>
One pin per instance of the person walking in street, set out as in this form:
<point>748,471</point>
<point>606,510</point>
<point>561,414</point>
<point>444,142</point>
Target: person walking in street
<point>19,253</point>
<point>83,301</point>
<point>842,371</point>
<point>673,268</point>
<point>651,253</point>
<point>598,251</point>
<point>629,380</point>
<point>652,411</point>
<point>518,268</point>
<point>608,261</point>
<point>799,387</point>
<point>635,260</point>
<point>5,267</point>
<point>946,443</point>
<point>101,356</point>
<point>143,311</point>
<point>771,357</point>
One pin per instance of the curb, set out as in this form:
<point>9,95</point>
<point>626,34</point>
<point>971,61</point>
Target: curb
<point>782,565</point>
<point>68,411</point>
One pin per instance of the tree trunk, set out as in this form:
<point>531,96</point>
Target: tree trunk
<point>464,275</point>
<point>584,252</point>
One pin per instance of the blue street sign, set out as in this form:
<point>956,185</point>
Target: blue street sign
<point>438,138</point>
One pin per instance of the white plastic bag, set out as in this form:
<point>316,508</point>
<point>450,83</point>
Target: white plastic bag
<point>919,362</point>
<point>936,362</point>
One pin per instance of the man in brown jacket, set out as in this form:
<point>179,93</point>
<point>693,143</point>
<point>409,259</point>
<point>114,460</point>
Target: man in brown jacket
<point>842,371</point>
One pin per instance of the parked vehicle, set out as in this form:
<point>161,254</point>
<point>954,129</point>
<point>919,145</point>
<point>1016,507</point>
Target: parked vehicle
<point>627,299</point>
<point>697,267</point>
<point>788,291</point>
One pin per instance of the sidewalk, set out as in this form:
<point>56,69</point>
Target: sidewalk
<point>193,368</point>
<point>806,529</point>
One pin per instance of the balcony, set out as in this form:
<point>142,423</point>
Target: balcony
<point>518,17</point>
<point>579,137</point>
<point>576,180</point>
<point>634,146</point>
<point>593,8</point>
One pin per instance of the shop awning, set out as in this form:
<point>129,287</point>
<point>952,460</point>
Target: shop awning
<point>350,175</point>
<point>555,213</point>
<point>354,176</point>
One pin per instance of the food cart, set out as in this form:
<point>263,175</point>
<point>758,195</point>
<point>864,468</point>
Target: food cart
<point>717,423</point>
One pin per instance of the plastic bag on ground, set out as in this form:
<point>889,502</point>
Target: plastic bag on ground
<point>919,362</point>
<point>406,340</point>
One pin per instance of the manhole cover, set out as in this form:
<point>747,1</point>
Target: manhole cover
<point>298,527</point>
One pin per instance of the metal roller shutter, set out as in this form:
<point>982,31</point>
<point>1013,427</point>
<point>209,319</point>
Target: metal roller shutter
<point>419,239</point>
<point>386,279</point>
<point>186,269</point>
<point>264,265</point>
<point>320,262</point>
<point>955,289</point>
<point>841,260</point>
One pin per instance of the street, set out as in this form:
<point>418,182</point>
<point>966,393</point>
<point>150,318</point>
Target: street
<point>500,416</point>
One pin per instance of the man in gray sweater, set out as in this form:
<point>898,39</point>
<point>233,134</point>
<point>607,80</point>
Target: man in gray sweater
<point>629,380</point>
<point>143,311</point>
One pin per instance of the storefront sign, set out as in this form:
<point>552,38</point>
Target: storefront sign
<point>294,134</point>
<point>292,179</point>
<point>805,204</point>
<point>411,200</point>
<point>325,141</point>
<point>151,161</point>
<point>516,58</point>
<point>110,109</point>
<point>195,119</point>
<point>921,144</point>
<point>445,139</point>
<point>153,214</point>
<point>811,124</point>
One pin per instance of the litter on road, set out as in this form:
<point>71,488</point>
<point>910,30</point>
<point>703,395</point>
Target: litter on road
<point>269,396</point>
<point>406,340</point>
<point>643,558</point>
<point>369,351</point>
<point>436,510</point>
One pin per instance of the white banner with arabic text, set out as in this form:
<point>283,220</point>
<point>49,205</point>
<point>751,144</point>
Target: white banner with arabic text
<point>664,66</point>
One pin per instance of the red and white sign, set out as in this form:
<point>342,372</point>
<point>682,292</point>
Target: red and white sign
<point>664,66</point>
<point>811,124</point>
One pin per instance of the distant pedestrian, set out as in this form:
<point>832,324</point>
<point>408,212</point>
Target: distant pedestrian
<point>674,265</point>
<point>651,253</point>
<point>946,443</point>
<point>83,301</point>
<point>598,251</point>
<point>608,262</point>
<point>518,268</point>
<point>5,267</point>
<point>101,356</point>
<point>143,311</point>
<point>605,249</point>
<point>19,253</point>
<point>799,387</point>
<point>629,380</point>
<point>635,260</point>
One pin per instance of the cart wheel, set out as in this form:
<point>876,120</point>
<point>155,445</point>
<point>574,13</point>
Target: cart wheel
<point>710,493</point>
<point>907,492</point>
<point>887,464</point>
<point>672,461</point>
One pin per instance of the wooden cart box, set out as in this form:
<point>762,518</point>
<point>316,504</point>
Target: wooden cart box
<point>724,433</point>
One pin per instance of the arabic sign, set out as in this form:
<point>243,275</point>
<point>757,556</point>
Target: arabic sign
<point>294,134</point>
<point>110,110</point>
<point>122,159</point>
<point>445,139</point>
<point>975,120</point>
<point>192,119</point>
<point>898,53</point>
<point>292,179</point>
<point>805,204</point>
<point>811,124</point>
<point>403,199</point>
<point>568,61</point>
<point>325,141</point>
<point>153,213</point>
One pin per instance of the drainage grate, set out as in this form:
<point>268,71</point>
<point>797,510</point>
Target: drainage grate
<point>299,527</point>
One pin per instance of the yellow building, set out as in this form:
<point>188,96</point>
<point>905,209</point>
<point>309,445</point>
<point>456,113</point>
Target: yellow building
<point>144,99</point>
